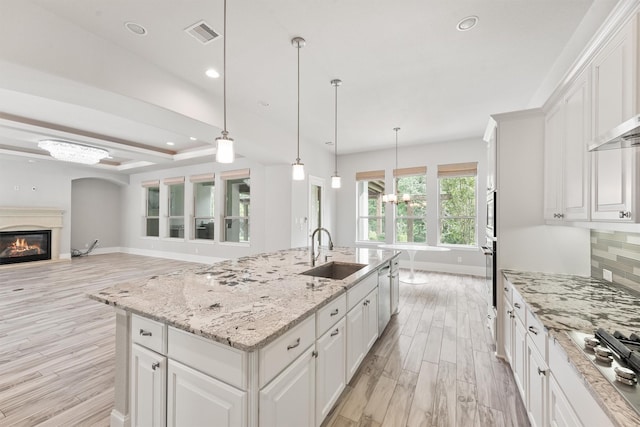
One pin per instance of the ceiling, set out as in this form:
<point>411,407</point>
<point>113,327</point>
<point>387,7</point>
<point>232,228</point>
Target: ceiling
<point>69,69</point>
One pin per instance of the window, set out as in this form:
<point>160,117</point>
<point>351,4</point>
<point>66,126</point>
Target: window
<point>370,207</point>
<point>203,203</point>
<point>410,221</point>
<point>152,208</point>
<point>237,202</point>
<point>457,211</point>
<point>175,187</point>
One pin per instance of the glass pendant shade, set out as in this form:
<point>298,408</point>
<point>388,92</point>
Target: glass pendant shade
<point>336,181</point>
<point>298,171</point>
<point>224,149</point>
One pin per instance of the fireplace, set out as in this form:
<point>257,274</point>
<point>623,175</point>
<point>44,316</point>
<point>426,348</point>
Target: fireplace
<point>24,246</point>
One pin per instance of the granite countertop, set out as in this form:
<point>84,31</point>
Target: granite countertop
<point>244,303</point>
<point>564,303</point>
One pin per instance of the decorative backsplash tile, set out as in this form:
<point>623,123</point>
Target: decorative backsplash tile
<point>618,252</point>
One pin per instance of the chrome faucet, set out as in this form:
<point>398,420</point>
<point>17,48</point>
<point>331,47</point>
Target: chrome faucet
<point>313,235</point>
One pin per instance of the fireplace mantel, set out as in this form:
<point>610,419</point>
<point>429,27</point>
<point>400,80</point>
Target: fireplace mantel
<point>34,218</point>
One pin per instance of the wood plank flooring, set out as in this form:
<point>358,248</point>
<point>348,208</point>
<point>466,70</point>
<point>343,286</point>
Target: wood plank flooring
<point>433,366</point>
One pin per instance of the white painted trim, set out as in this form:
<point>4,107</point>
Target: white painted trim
<point>607,226</point>
<point>471,270</point>
<point>109,250</point>
<point>65,256</point>
<point>119,420</point>
<point>173,255</point>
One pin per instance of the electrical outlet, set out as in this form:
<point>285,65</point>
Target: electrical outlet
<point>606,274</point>
<point>459,259</point>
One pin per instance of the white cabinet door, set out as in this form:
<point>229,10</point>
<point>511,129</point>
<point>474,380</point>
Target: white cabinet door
<point>330,369</point>
<point>355,339</point>
<point>289,400</point>
<point>519,355</point>
<point>507,330</point>
<point>536,385</point>
<point>195,399</point>
<point>553,141</point>
<point>371,319</point>
<point>561,414</point>
<point>613,176</point>
<point>148,387</point>
<point>395,286</point>
<point>575,157</point>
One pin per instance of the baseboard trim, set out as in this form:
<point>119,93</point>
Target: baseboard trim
<point>468,270</point>
<point>119,420</point>
<point>173,255</point>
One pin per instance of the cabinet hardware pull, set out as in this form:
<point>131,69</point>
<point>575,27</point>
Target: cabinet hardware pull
<point>516,305</point>
<point>145,333</point>
<point>314,353</point>
<point>367,302</point>
<point>334,333</point>
<point>289,347</point>
<point>506,289</point>
<point>334,312</point>
<point>623,214</point>
<point>533,330</point>
<point>542,371</point>
<point>512,315</point>
<point>155,365</point>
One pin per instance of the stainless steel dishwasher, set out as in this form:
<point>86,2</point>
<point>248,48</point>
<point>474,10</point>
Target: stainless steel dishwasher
<point>384,298</point>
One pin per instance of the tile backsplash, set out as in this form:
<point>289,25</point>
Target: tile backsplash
<point>618,252</point>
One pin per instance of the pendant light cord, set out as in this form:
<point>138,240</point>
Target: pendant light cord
<point>335,133</point>
<point>224,69</point>
<point>298,158</point>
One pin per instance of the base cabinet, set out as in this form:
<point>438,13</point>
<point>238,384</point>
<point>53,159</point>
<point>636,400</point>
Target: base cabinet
<point>289,400</point>
<point>194,398</point>
<point>561,414</point>
<point>331,369</point>
<point>148,385</point>
<point>507,330</point>
<point>362,331</point>
<point>536,386</point>
<point>519,355</point>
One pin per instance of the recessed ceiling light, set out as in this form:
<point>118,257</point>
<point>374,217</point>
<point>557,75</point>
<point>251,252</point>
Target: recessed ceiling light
<point>212,73</point>
<point>467,23</point>
<point>136,29</point>
<point>171,143</point>
<point>193,138</point>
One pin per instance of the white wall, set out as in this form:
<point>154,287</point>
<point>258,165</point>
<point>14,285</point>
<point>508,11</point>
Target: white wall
<point>96,214</point>
<point>429,155</point>
<point>46,184</point>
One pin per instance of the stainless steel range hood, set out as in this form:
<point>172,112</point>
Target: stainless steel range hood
<point>624,135</point>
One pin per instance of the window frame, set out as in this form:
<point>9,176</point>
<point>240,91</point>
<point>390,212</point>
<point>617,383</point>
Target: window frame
<point>200,179</point>
<point>458,170</point>
<point>171,182</point>
<point>406,173</point>
<point>366,177</point>
<point>146,217</point>
<point>225,177</point>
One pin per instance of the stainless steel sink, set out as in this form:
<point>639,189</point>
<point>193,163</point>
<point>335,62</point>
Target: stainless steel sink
<point>334,270</point>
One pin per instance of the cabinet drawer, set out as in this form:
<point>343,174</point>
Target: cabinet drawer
<point>329,315</point>
<point>214,359</point>
<point>284,350</point>
<point>508,291</point>
<point>537,332</point>
<point>519,306</point>
<point>149,333</point>
<point>361,289</point>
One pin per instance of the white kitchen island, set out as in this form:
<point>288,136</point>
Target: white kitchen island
<point>248,342</point>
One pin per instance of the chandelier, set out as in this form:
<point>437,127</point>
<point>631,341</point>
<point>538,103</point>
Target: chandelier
<point>72,152</point>
<point>392,197</point>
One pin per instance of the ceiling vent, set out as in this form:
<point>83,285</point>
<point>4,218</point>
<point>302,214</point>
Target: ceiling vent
<point>202,32</point>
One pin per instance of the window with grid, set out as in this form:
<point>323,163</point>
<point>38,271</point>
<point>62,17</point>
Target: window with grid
<point>203,206</point>
<point>457,212</point>
<point>175,208</point>
<point>152,208</point>
<point>370,207</point>
<point>237,203</point>
<point>411,209</point>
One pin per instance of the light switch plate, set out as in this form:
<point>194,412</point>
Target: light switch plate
<point>606,274</point>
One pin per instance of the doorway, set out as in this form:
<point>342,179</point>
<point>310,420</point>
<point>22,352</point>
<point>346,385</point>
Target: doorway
<point>316,204</point>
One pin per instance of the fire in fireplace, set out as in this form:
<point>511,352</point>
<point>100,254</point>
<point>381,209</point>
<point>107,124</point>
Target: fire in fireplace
<point>24,246</point>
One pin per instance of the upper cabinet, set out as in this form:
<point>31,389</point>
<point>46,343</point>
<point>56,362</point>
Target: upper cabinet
<point>566,161</point>
<point>614,101</point>
<point>601,185</point>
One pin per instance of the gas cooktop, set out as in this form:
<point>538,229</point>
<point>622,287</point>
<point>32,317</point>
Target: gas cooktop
<point>617,357</point>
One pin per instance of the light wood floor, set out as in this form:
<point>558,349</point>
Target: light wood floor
<point>434,365</point>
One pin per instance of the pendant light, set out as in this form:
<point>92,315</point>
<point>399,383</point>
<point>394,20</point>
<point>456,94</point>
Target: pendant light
<point>392,197</point>
<point>335,179</point>
<point>298,167</point>
<point>224,144</point>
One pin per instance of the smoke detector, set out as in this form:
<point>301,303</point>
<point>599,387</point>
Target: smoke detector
<point>202,32</point>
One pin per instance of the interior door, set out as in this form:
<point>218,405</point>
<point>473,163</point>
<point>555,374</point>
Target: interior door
<point>316,205</point>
